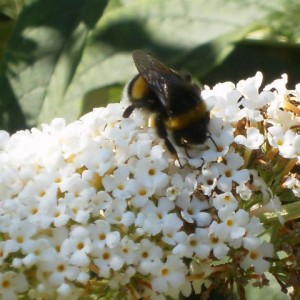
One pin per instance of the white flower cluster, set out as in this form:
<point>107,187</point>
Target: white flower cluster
<point>100,207</point>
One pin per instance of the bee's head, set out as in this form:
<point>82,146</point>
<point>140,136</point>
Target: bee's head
<point>195,133</point>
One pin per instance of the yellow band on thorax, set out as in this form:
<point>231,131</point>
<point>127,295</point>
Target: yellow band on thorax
<point>189,117</point>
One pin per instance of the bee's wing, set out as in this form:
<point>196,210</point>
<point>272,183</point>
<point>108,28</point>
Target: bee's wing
<point>157,75</point>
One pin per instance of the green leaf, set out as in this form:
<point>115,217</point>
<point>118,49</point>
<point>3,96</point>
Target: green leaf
<point>55,60</point>
<point>283,22</point>
<point>6,28</point>
<point>11,8</point>
<point>42,57</point>
<point>101,97</point>
<point>184,34</point>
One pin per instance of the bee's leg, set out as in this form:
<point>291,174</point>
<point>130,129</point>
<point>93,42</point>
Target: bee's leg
<point>162,133</point>
<point>179,140</point>
<point>203,162</point>
<point>128,111</point>
<point>209,136</point>
<point>173,151</point>
<point>186,152</point>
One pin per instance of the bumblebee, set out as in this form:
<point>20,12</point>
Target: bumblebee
<point>174,99</point>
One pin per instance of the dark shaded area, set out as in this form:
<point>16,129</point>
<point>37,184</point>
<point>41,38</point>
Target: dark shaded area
<point>4,18</point>
<point>124,35</point>
<point>248,58</point>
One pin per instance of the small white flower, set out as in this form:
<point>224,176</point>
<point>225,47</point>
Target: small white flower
<point>232,226</point>
<point>108,259</point>
<point>37,251</point>
<point>64,290</point>
<point>150,173</point>
<point>230,172</point>
<point>117,183</point>
<point>128,250</point>
<point>169,275</point>
<point>222,136</point>
<point>11,284</point>
<point>225,200</point>
<point>287,142</point>
<point>149,256</point>
<point>117,213</point>
<point>101,236</point>
<point>279,84</point>
<point>56,270</point>
<point>198,243</point>
<point>172,192</point>
<point>244,191</point>
<point>21,234</point>
<point>150,218</point>
<point>218,245</point>
<point>225,101</point>
<point>256,257</point>
<point>252,98</point>
<point>141,193</point>
<point>253,140</point>
<point>193,212</point>
<point>170,225</point>
<point>208,180</point>
<point>276,136</point>
<point>77,247</point>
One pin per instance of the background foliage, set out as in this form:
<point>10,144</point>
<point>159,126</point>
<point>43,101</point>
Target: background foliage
<point>61,58</point>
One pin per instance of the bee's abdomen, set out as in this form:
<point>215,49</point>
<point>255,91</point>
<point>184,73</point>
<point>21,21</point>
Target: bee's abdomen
<point>138,88</point>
